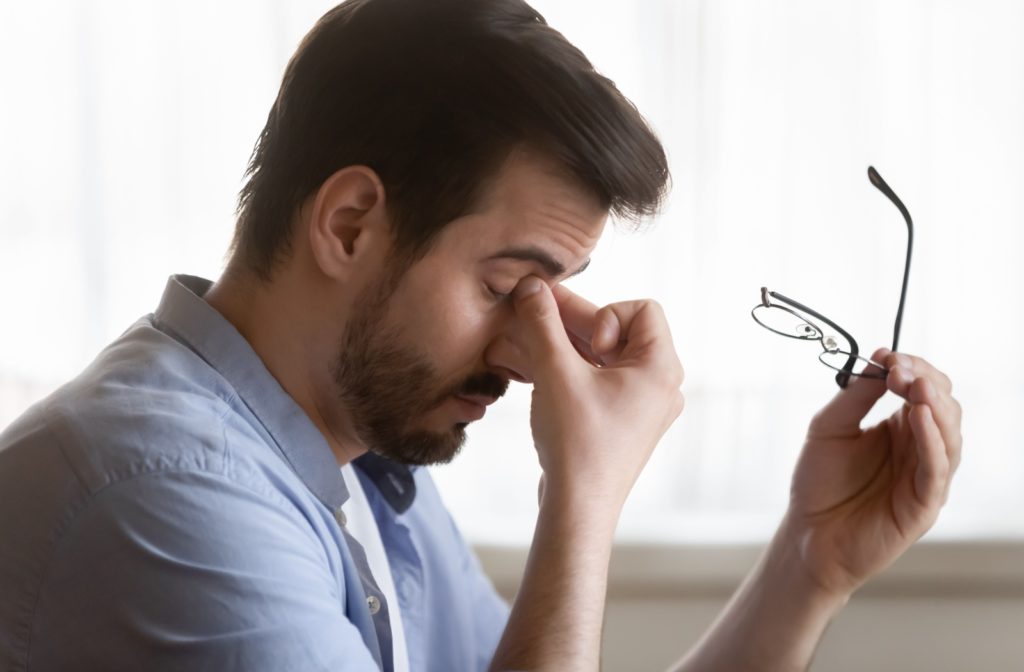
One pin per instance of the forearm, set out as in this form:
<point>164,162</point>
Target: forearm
<point>775,619</point>
<point>558,613</point>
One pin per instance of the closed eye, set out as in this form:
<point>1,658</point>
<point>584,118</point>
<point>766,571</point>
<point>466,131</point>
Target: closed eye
<point>496,295</point>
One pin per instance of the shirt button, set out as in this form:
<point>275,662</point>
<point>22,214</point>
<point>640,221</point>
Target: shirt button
<point>339,516</point>
<point>374,604</point>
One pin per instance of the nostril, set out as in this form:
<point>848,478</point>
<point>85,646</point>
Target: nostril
<point>513,375</point>
<point>506,358</point>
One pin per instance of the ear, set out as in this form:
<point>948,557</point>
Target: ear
<point>348,223</point>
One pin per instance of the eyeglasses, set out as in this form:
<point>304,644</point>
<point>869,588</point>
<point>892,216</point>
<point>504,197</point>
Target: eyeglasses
<point>792,319</point>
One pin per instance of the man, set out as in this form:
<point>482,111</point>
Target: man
<point>429,174</point>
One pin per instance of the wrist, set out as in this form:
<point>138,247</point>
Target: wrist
<point>580,506</point>
<point>777,616</point>
<point>581,498</point>
<point>557,615</point>
<point>787,608</point>
<point>788,562</point>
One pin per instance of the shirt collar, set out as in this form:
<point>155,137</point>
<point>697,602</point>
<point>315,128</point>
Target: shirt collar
<point>190,319</point>
<point>201,327</point>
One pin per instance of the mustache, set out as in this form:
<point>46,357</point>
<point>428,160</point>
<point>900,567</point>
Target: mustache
<point>485,384</point>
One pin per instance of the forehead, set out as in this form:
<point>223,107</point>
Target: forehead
<point>532,204</point>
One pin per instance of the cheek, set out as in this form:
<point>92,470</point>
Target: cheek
<point>453,333</point>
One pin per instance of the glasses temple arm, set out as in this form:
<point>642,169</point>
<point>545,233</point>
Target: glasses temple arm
<point>881,185</point>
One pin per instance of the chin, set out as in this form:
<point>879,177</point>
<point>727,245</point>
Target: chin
<point>422,448</point>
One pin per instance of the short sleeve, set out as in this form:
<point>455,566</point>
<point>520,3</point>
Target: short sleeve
<point>193,570</point>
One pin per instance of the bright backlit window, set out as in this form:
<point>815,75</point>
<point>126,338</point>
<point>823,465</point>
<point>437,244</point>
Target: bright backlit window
<point>126,127</point>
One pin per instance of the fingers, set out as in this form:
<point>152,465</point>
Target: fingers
<point>919,367</point>
<point>919,382</point>
<point>625,333</point>
<point>945,413</point>
<point>843,414</point>
<point>578,314</point>
<point>559,322</point>
<point>544,334</point>
<point>594,332</point>
<point>925,387</point>
<point>584,350</point>
<point>631,328</point>
<point>945,409</point>
<point>607,332</point>
<point>600,329</point>
<point>933,471</point>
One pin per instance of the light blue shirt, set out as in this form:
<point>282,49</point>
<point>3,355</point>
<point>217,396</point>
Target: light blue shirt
<point>172,508</point>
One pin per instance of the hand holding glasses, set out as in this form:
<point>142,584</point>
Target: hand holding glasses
<point>792,319</point>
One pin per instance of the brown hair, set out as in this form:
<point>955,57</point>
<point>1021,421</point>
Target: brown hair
<point>433,95</point>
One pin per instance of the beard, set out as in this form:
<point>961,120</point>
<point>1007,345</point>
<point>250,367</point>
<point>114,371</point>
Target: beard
<point>386,384</point>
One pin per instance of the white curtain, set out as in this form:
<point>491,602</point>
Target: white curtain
<point>126,127</point>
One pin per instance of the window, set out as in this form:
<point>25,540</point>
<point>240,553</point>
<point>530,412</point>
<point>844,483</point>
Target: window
<point>127,127</point>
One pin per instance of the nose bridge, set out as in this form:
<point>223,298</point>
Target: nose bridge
<point>507,349</point>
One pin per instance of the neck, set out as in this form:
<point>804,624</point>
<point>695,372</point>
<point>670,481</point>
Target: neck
<point>279,322</point>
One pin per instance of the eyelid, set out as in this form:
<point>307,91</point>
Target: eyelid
<point>501,296</point>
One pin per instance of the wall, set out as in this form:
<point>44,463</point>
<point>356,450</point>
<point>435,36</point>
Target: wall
<point>943,606</point>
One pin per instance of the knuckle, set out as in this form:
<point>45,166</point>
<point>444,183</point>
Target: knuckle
<point>817,421</point>
<point>657,309</point>
<point>540,311</point>
<point>680,404</point>
<point>655,305</point>
<point>667,377</point>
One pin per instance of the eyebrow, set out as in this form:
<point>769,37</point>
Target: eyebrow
<point>552,267</point>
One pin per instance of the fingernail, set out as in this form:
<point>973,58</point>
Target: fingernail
<point>904,375</point>
<point>526,287</point>
<point>905,362</point>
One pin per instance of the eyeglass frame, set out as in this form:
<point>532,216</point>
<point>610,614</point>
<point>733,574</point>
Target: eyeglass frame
<point>816,333</point>
<point>846,372</point>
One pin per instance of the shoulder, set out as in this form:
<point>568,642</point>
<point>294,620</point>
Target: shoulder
<point>152,507</point>
<point>146,403</point>
<point>231,574</point>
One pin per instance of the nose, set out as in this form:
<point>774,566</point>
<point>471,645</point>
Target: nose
<point>506,354</point>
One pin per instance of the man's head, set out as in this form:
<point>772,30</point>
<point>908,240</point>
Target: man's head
<point>449,132</point>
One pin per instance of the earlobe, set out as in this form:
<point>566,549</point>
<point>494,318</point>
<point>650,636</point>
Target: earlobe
<point>347,220</point>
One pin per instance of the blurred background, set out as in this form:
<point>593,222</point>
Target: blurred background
<point>126,127</point>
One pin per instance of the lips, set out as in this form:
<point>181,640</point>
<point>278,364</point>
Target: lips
<point>473,406</point>
<point>478,399</point>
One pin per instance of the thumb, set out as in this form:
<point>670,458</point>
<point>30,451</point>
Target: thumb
<point>542,327</point>
<point>843,414</point>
